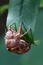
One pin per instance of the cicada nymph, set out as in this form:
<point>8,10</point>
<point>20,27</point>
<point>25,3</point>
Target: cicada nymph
<point>14,42</point>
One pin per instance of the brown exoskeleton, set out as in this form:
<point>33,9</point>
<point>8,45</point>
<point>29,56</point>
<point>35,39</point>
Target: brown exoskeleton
<point>13,41</point>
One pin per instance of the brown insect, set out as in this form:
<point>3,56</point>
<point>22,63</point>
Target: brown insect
<point>14,43</point>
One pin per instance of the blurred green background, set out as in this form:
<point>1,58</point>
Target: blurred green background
<point>34,56</point>
<point>41,3</point>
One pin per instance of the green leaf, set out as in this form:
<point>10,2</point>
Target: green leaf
<point>41,3</point>
<point>3,8</point>
<point>37,42</point>
<point>25,11</point>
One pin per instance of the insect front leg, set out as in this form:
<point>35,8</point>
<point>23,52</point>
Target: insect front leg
<point>10,28</point>
<point>20,28</point>
<point>25,32</point>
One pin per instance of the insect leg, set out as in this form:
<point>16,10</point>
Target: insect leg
<point>11,25</point>
<point>20,28</point>
<point>25,32</point>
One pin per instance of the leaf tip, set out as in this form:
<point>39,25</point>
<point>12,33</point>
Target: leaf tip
<point>37,42</point>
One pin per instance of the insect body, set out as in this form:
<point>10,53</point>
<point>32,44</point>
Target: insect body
<point>14,43</point>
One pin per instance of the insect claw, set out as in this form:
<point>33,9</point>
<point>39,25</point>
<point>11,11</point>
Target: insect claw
<point>11,24</point>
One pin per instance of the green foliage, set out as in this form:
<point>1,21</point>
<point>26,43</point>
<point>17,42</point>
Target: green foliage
<point>41,3</point>
<point>25,11</point>
<point>3,8</point>
<point>35,55</point>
